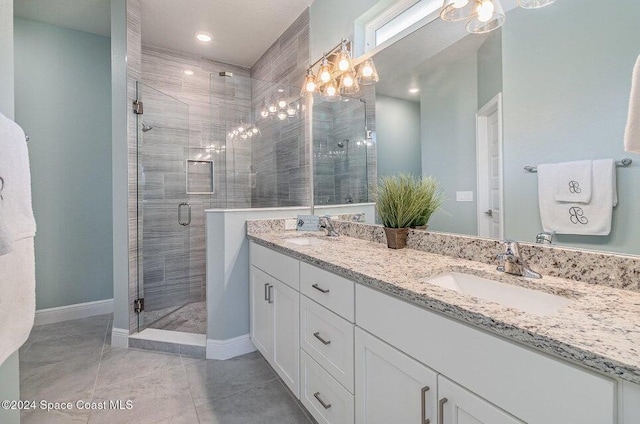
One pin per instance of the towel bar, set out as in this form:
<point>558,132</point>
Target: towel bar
<point>620,164</point>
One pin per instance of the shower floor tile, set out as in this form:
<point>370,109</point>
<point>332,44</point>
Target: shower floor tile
<point>164,388</point>
<point>191,318</point>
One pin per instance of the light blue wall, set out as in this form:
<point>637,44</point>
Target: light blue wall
<point>448,106</point>
<point>63,102</point>
<point>490,68</point>
<point>567,77</point>
<point>9,370</point>
<point>398,136</point>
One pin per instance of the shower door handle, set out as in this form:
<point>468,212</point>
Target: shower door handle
<point>180,220</point>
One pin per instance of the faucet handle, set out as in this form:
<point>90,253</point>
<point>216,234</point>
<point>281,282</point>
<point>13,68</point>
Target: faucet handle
<point>512,247</point>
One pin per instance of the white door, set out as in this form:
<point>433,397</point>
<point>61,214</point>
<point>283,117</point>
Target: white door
<point>459,406</point>
<point>489,165</point>
<point>286,334</point>
<point>391,387</point>
<point>261,312</point>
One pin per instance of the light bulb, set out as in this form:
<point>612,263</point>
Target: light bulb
<point>282,115</point>
<point>254,130</point>
<point>311,86</point>
<point>291,111</point>
<point>249,134</point>
<point>343,65</point>
<point>347,80</point>
<point>273,108</point>
<point>460,3</point>
<point>264,113</point>
<point>485,10</point>
<point>241,129</point>
<point>367,70</point>
<point>331,90</point>
<point>282,104</point>
<point>325,76</point>
<point>244,136</point>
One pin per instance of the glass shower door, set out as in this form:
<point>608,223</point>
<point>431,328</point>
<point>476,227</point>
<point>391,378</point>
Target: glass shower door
<point>163,209</point>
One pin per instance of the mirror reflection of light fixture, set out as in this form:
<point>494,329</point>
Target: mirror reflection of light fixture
<point>483,15</point>
<point>534,4</point>
<point>331,90</point>
<point>324,73</point>
<point>309,85</point>
<point>487,16</point>
<point>457,10</point>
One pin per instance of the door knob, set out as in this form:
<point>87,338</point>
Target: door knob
<point>489,212</point>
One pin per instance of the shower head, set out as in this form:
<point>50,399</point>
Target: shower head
<point>146,127</point>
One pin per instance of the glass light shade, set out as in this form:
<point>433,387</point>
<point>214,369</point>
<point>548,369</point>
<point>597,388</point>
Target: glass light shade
<point>330,90</point>
<point>367,73</point>
<point>324,73</point>
<point>351,89</point>
<point>272,108</point>
<point>309,84</point>
<point>534,4</point>
<point>282,103</point>
<point>488,15</point>
<point>291,111</point>
<point>457,10</point>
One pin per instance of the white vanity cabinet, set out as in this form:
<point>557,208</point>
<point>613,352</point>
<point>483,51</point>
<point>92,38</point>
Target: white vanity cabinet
<point>354,354</point>
<point>275,309</point>
<point>392,387</point>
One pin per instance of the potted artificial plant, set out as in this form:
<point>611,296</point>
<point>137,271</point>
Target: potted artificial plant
<point>406,201</point>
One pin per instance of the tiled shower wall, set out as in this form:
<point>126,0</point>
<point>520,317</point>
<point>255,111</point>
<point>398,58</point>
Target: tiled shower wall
<point>280,158</point>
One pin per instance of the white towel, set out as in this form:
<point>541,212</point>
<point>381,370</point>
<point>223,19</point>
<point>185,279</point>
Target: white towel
<point>17,297</point>
<point>577,218</point>
<point>632,132</point>
<point>14,170</point>
<point>573,183</point>
<point>6,239</point>
<point>17,268</point>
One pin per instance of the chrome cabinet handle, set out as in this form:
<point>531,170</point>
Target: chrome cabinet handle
<point>266,292</point>
<point>324,342</point>
<point>269,293</point>
<point>441,403</point>
<point>188,221</point>
<point>324,405</point>
<point>320,289</point>
<point>423,401</point>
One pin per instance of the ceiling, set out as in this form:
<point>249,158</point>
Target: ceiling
<point>242,29</point>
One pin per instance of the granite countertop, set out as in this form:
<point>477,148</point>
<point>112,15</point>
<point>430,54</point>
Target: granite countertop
<point>600,329</point>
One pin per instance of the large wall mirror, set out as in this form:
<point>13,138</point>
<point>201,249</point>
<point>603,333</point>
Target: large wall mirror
<point>552,85</point>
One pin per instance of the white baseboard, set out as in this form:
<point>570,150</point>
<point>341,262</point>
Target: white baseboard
<point>230,348</point>
<point>119,337</point>
<point>77,311</point>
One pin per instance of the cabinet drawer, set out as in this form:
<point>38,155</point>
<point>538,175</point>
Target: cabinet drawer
<point>278,265</point>
<point>530,385</point>
<point>329,290</point>
<point>328,339</point>
<point>322,395</point>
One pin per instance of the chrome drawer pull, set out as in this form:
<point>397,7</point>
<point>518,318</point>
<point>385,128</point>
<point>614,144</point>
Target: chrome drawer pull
<point>325,291</point>
<point>441,403</point>
<point>266,292</point>
<point>423,393</point>
<point>269,293</point>
<point>324,405</point>
<point>324,342</point>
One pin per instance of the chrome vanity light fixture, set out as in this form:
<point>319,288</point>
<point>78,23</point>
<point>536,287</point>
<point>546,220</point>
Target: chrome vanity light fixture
<point>337,75</point>
<point>483,16</point>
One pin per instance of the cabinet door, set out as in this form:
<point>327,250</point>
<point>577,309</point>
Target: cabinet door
<point>391,387</point>
<point>459,406</point>
<point>286,334</point>
<point>261,312</point>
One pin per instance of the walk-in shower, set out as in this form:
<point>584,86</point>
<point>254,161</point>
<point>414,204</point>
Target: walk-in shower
<point>252,150</point>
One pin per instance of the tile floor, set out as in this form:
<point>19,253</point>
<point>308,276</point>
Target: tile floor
<point>191,318</point>
<point>73,360</point>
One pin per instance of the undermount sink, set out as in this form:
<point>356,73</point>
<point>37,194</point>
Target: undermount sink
<point>526,300</point>
<point>305,241</point>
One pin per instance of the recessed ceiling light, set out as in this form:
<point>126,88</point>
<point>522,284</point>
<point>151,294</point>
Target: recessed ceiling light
<point>205,37</point>
<point>414,90</point>
<point>188,72</point>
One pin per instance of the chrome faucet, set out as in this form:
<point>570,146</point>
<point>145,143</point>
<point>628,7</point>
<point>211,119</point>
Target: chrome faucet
<point>511,261</point>
<point>325,222</point>
<point>359,217</point>
<point>546,237</point>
